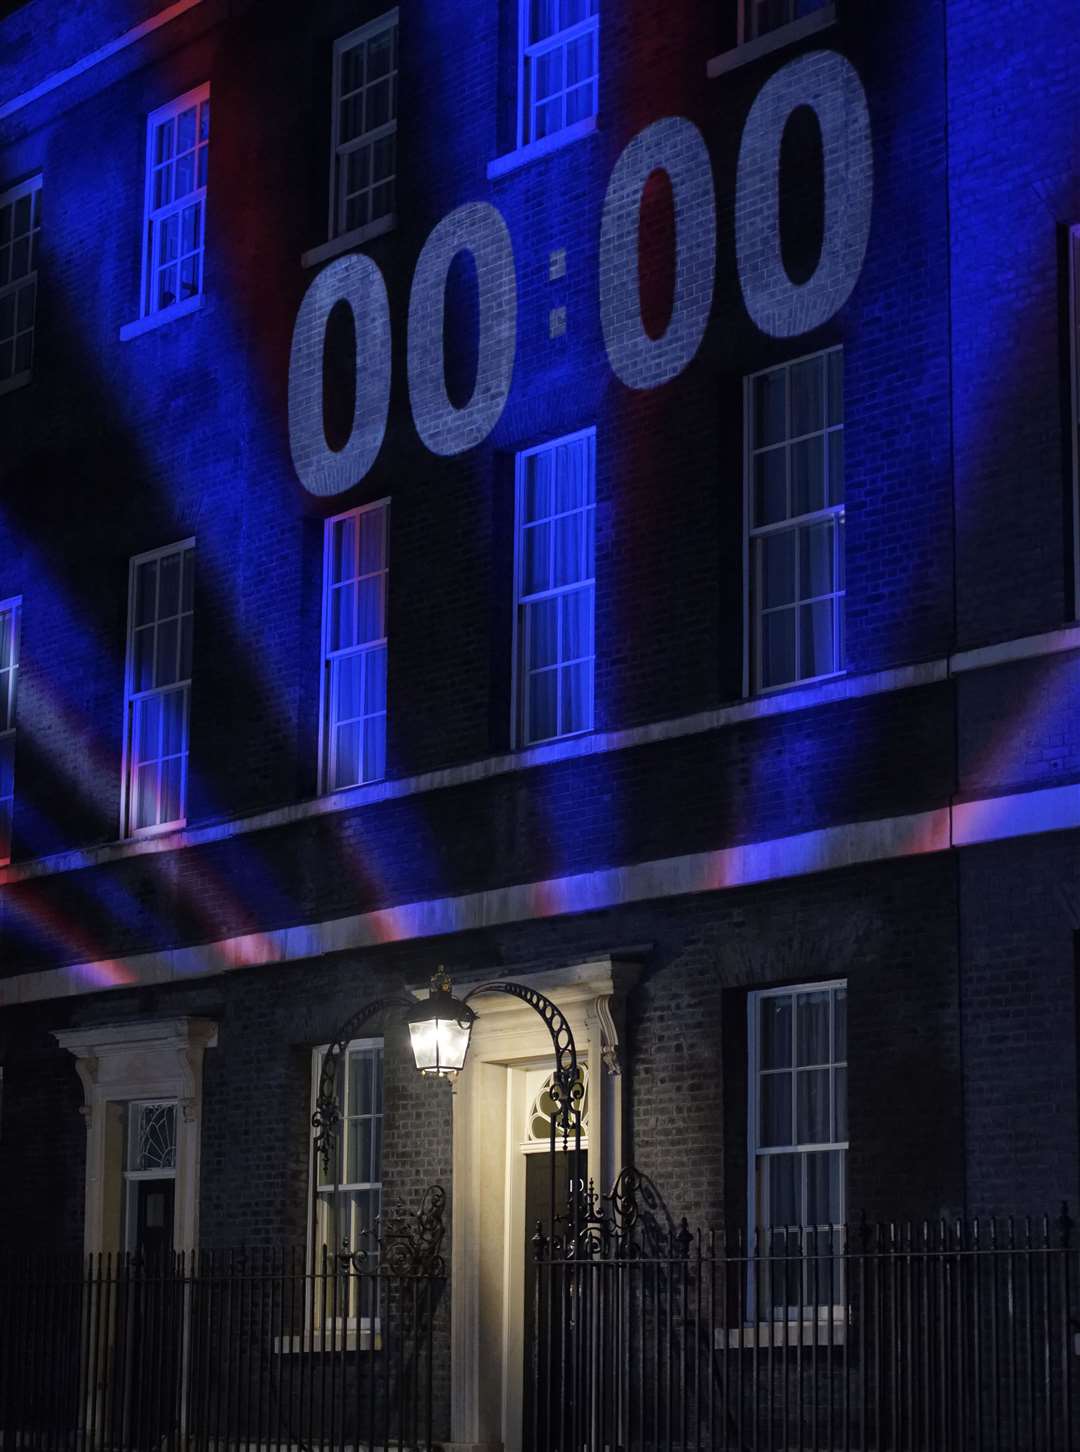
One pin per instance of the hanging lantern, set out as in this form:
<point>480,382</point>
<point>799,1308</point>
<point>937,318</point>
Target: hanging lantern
<point>440,1027</point>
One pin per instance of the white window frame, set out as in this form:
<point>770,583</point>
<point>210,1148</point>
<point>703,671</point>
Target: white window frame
<point>336,229</point>
<point>519,681</point>
<point>131,695</point>
<point>754,1150</point>
<point>752,591</point>
<point>31,188</point>
<point>326,723</point>
<point>14,605</point>
<point>152,217</point>
<point>316,1221</point>
<point>527,54</point>
<point>789,29</point>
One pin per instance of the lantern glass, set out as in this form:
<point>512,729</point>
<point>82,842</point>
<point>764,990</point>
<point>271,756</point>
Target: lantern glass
<point>439,1045</point>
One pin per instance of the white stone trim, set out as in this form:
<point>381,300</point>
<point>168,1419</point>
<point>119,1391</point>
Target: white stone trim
<point>488,1229</point>
<point>95,57</point>
<point>597,743</point>
<point>118,1063</point>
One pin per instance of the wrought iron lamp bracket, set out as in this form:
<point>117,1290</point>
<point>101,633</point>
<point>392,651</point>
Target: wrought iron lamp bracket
<point>327,1113</point>
<point>567,1089</point>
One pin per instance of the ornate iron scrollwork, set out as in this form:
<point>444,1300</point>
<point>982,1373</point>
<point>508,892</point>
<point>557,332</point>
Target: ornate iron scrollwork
<point>327,1113</point>
<point>405,1245</point>
<point>566,1086</point>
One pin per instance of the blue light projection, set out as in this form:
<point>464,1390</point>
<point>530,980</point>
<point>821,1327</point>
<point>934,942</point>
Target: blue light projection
<point>829,85</point>
<point>822,80</point>
<point>479,230</point>
<point>676,147</point>
<point>357,282</point>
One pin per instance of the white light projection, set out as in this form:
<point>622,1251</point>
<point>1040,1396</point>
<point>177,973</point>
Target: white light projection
<point>356,281</point>
<point>479,229</point>
<point>675,146</point>
<point>829,85</point>
<point>824,81</point>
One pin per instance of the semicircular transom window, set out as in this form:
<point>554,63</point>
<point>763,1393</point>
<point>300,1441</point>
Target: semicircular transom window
<point>544,1108</point>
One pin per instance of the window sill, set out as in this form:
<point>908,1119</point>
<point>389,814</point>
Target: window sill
<point>824,1332</point>
<point>159,319</point>
<point>161,829</point>
<point>17,380</point>
<point>536,149</point>
<point>764,691</point>
<point>324,1343</point>
<point>785,35</point>
<point>347,241</point>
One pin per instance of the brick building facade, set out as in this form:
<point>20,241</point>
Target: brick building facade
<point>798,712</point>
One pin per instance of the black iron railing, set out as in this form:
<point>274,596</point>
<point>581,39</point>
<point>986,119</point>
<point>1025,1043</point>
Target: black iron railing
<point>222,1350</point>
<point>936,1337</point>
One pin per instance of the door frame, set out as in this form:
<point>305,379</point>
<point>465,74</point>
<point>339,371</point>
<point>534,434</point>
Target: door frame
<point>486,1282</point>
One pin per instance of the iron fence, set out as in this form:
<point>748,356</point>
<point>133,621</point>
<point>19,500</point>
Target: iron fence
<point>223,1351</point>
<point>935,1337</point>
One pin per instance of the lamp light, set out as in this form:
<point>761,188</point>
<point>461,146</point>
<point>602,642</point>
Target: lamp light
<point>440,1027</point>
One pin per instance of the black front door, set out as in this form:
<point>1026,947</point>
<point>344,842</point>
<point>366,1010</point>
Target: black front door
<point>155,1208</point>
<point>548,1302</point>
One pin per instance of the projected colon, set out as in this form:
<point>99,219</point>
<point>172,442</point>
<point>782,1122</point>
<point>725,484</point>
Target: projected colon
<point>358,283</point>
<point>829,85</point>
<point>822,81</point>
<point>676,147</point>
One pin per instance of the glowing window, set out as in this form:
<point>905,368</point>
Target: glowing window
<point>174,233</point>
<point>9,670</point>
<point>761,17</point>
<point>150,1175</point>
<point>158,689</point>
<point>556,514</point>
<point>795,453</point>
<point>363,162</point>
<point>354,647</point>
<point>20,229</point>
<point>348,1199</point>
<point>559,65</point>
<point>798,1137</point>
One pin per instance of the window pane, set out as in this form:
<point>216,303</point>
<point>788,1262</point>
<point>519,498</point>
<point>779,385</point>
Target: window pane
<point>369,624</point>
<point>835,366</point>
<point>542,624</point>
<point>770,404</point>
<point>174,722</point>
<point>537,558</point>
<point>775,1126</point>
<point>147,728</point>
<point>576,697</point>
<point>812,1097</point>
<point>774,1015</point>
<point>813,1027</point>
<point>374,748</point>
<point>808,475</point>
<point>343,617</point>
<point>539,485</point>
<point>836,467</point>
<point>816,651</point>
<point>171,795</point>
<point>840,1127</point>
<point>7,765</point>
<point>348,687</point>
<point>374,681</point>
<point>783,1188</point>
<point>343,550</point>
<point>778,648</point>
<point>167,657</point>
<point>573,476</point>
<point>807,396</point>
<point>569,549</point>
<point>824,1181</point>
<point>146,796</point>
<point>145,592</point>
<point>359,1090</point>
<point>770,487</point>
<point>840,1024</point>
<point>542,701</point>
<point>778,569</point>
<point>347,760</point>
<point>358,1157</point>
<point>371,524</point>
<point>577,624</point>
